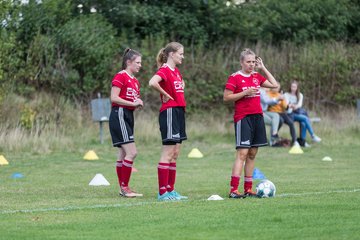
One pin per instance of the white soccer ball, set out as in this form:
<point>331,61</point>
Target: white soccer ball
<point>265,189</point>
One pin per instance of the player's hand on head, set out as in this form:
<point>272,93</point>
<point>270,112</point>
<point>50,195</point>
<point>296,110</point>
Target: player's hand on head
<point>259,62</point>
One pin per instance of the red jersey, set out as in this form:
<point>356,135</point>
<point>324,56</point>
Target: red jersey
<point>173,84</point>
<point>129,88</point>
<point>247,105</point>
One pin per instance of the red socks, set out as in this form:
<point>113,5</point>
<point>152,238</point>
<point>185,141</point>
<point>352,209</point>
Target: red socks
<point>234,184</point>
<point>118,170</point>
<point>172,176</point>
<point>248,183</point>
<point>125,172</point>
<point>163,177</point>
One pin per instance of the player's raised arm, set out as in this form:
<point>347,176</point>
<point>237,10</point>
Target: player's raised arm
<point>271,81</point>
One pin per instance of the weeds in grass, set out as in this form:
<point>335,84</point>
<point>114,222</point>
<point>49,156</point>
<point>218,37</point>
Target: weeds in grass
<point>60,125</point>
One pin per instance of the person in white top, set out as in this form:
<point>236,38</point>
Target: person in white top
<point>295,99</point>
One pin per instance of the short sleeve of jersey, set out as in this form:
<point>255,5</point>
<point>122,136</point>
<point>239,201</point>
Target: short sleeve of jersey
<point>231,84</point>
<point>118,81</point>
<point>260,77</point>
<point>161,73</point>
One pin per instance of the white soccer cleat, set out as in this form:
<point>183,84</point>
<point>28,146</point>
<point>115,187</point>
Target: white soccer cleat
<point>316,139</point>
<point>127,192</point>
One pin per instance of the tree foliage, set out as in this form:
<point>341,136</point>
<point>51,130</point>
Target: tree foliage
<point>73,47</point>
<point>86,46</point>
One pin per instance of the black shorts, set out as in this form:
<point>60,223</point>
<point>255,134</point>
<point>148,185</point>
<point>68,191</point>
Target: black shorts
<point>121,124</point>
<point>250,132</point>
<point>172,125</point>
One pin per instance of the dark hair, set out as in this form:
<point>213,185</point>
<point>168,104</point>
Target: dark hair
<point>297,89</point>
<point>246,51</point>
<point>164,52</point>
<point>129,54</point>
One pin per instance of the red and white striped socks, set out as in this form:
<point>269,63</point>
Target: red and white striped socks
<point>172,176</point>
<point>248,181</point>
<point>234,183</point>
<point>118,170</point>
<point>126,172</point>
<point>163,177</point>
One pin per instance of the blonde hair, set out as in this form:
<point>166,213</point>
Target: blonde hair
<point>246,51</point>
<point>163,54</point>
<point>129,54</point>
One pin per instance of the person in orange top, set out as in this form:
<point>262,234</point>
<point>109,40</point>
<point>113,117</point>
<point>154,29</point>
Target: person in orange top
<point>281,108</point>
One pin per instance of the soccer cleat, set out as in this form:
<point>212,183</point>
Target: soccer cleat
<point>307,145</point>
<point>250,193</point>
<point>316,139</point>
<point>127,192</point>
<point>236,194</point>
<point>177,195</point>
<point>166,197</point>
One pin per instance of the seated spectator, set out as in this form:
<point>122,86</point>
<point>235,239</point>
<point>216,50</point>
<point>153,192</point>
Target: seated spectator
<point>295,99</point>
<point>270,118</point>
<point>281,108</point>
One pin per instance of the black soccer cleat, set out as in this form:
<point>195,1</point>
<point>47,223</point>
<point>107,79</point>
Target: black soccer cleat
<point>250,193</point>
<point>236,194</point>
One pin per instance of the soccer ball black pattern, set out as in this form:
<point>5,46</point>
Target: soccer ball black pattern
<point>265,189</point>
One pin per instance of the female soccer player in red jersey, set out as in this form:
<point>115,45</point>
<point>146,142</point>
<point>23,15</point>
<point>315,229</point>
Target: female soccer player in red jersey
<point>169,83</point>
<point>125,98</point>
<point>242,88</point>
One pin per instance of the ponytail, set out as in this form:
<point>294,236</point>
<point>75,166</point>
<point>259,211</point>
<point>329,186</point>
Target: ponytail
<point>161,58</point>
<point>163,54</point>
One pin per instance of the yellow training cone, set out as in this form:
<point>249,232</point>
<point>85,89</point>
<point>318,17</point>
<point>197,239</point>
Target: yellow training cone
<point>195,153</point>
<point>91,155</point>
<point>296,150</point>
<point>3,160</point>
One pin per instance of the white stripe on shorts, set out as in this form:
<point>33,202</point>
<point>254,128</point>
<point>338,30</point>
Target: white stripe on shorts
<point>238,133</point>
<point>169,123</point>
<point>122,125</point>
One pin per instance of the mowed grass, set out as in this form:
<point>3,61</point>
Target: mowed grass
<point>315,199</point>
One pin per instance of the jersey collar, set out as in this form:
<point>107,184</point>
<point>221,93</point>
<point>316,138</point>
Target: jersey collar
<point>132,77</point>
<point>244,74</point>
<point>165,65</point>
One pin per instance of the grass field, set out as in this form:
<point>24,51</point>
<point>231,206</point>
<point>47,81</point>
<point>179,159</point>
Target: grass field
<point>315,199</point>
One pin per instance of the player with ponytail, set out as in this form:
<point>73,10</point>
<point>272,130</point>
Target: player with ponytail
<point>125,98</point>
<point>170,84</point>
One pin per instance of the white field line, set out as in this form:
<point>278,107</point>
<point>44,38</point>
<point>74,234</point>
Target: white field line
<point>119,205</point>
<point>69,208</point>
<point>316,193</point>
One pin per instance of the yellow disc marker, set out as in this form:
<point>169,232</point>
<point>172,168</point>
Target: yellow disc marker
<point>3,160</point>
<point>195,153</point>
<point>91,155</point>
<point>296,150</point>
